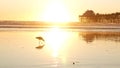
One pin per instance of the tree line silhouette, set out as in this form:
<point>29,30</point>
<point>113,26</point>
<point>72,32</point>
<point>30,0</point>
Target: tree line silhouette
<point>90,17</point>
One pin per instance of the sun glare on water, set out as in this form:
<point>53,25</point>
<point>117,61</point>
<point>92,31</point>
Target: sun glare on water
<point>56,12</point>
<point>55,38</point>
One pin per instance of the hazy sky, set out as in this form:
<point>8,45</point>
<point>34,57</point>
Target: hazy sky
<point>35,9</point>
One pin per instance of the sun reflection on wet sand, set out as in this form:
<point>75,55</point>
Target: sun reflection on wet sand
<point>55,38</point>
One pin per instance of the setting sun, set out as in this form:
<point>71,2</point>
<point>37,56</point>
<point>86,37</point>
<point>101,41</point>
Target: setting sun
<point>56,12</point>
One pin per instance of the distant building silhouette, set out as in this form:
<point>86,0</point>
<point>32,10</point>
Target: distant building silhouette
<point>90,17</point>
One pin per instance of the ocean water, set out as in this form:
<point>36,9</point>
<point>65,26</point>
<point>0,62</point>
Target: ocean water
<point>63,48</point>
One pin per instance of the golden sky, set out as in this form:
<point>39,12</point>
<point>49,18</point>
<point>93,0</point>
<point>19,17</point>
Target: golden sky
<point>41,10</point>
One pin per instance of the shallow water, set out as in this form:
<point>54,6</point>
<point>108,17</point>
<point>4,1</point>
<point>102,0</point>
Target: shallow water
<point>91,48</point>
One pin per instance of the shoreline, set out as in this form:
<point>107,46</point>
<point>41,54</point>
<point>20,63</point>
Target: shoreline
<point>88,26</point>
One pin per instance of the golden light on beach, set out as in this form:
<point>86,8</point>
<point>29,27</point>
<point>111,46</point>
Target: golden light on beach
<point>55,39</point>
<point>56,12</point>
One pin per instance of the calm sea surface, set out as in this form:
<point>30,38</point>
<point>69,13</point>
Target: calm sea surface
<point>64,48</point>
